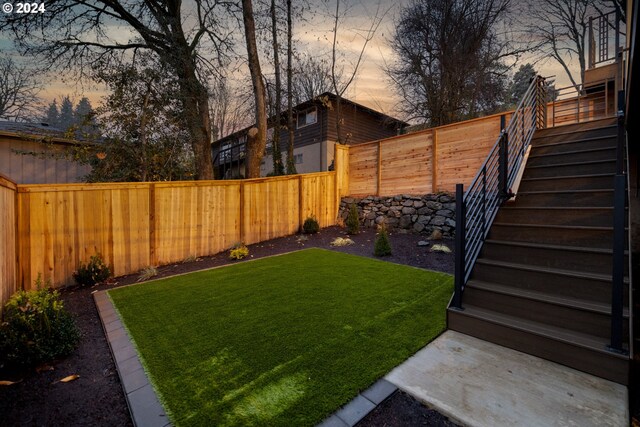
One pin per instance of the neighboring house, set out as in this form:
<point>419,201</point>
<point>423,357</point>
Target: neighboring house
<point>33,153</point>
<point>314,138</point>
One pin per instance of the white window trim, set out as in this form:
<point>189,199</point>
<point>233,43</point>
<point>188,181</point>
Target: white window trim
<point>305,112</point>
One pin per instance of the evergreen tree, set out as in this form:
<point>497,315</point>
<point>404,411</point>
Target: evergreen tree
<point>84,117</point>
<point>65,118</point>
<point>52,116</point>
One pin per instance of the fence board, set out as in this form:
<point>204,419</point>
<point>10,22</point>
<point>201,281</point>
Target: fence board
<point>403,158</point>
<point>8,243</point>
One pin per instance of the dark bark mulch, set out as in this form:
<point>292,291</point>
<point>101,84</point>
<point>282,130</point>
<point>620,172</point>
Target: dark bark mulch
<point>96,397</point>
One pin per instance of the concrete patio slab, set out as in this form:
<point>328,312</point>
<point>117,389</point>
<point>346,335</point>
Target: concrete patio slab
<point>478,383</point>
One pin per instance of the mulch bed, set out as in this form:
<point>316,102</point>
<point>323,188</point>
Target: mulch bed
<point>96,397</point>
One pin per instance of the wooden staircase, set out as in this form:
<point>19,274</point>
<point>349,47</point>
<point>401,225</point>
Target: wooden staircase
<point>542,282</point>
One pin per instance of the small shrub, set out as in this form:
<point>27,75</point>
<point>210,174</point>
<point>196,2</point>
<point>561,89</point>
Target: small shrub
<point>95,271</point>
<point>147,273</point>
<point>311,225</point>
<point>239,251</point>
<point>382,246</point>
<point>36,328</point>
<point>353,220</point>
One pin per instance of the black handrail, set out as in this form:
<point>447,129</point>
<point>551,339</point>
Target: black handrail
<point>619,213</point>
<point>477,207</point>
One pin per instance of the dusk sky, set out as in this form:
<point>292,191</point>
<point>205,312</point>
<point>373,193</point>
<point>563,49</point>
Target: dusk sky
<point>371,86</point>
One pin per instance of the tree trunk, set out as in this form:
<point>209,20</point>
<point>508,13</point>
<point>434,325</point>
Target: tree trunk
<point>278,168</point>
<point>291,164</point>
<point>256,138</point>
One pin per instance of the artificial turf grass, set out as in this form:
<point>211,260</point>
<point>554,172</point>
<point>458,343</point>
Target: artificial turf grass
<point>284,340</point>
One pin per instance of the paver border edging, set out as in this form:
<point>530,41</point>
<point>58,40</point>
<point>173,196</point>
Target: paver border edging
<point>142,401</point>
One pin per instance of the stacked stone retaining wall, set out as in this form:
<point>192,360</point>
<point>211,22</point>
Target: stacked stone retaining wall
<point>421,214</point>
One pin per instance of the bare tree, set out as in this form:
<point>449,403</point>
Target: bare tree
<point>340,83</point>
<point>230,107</point>
<point>18,91</point>
<point>257,136</point>
<point>278,167</point>
<point>313,76</point>
<point>559,30</point>
<point>75,34</point>
<point>449,59</point>
<point>291,165</point>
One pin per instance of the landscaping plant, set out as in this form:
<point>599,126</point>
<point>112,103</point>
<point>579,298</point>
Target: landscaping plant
<point>36,328</point>
<point>239,251</point>
<point>95,271</point>
<point>382,246</point>
<point>311,225</point>
<point>353,220</point>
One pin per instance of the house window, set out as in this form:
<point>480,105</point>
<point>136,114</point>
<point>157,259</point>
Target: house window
<point>307,117</point>
<point>297,159</point>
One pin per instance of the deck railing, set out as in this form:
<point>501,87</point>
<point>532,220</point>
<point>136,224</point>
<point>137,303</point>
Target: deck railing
<point>478,206</point>
<point>604,38</point>
<point>577,104</point>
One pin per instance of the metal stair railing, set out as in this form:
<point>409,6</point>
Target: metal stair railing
<point>477,207</point>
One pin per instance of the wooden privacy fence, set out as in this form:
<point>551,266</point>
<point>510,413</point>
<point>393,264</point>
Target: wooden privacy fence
<point>423,162</point>
<point>435,159</point>
<point>51,229</point>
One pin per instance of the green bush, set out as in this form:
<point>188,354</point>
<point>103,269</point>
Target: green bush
<point>95,271</point>
<point>382,246</point>
<point>311,225</point>
<point>36,328</point>
<point>353,220</point>
<point>239,251</point>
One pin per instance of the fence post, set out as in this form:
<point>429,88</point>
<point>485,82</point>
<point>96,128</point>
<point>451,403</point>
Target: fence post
<point>153,260</point>
<point>300,204</point>
<point>242,213</point>
<point>434,160</point>
<point>456,301</point>
<point>379,183</point>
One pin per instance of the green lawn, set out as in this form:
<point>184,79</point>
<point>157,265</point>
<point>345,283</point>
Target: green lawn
<point>280,341</point>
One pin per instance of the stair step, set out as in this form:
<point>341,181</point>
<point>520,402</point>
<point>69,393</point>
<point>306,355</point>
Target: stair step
<point>571,157</point>
<point>582,216</point>
<point>567,312</point>
<point>571,182</point>
<point>589,260</point>
<point>580,351</point>
<point>603,166</point>
<point>564,198</point>
<point>563,283</point>
<point>544,146</point>
<point>568,130</point>
<point>568,235</point>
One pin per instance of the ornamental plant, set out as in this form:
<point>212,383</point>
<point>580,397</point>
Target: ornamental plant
<point>95,271</point>
<point>311,225</point>
<point>353,220</point>
<point>36,328</point>
<point>382,246</point>
<point>239,251</point>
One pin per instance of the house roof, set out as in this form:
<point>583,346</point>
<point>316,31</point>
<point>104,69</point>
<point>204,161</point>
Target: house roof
<point>318,100</point>
<point>38,131</point>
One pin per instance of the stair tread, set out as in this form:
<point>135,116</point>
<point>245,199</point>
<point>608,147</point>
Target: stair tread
<point>563,153</point>
<point>595,175</point>
<point>564,301</point>
<point>589,162</point>
<point>597,190</point>
<point>573,141</point>
<point>562,208</point>
<point>578,339</point>
<point>552,246</point>
<point>571,227</point>
<point>549,132</point>
<point>549,270</point>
